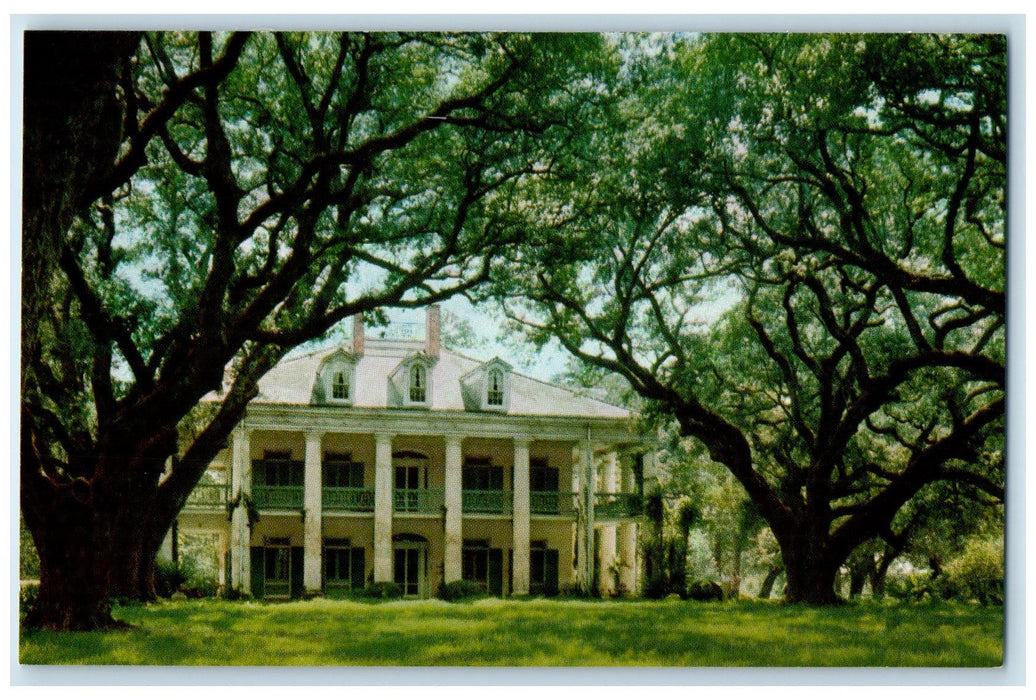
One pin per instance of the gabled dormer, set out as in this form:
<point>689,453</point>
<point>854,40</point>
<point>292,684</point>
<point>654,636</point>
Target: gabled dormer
<point>336,379</point>
<point>410,384</point>
<point>488,387</point>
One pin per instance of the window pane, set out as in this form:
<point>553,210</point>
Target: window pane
<point>340,385</point>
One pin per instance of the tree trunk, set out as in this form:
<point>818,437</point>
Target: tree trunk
<point>857,578</point>
<point>767,588</point>
<point>810,570</point>
<point>97,537</point>
<point>72,541</point>
<point>813,583</point>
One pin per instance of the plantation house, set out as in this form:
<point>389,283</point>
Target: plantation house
<point>399,460</point>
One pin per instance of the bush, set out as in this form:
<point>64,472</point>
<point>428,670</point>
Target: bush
<point>914,587</point>
<point>656,588</point>
<point>27,593</point>
<point>459,590</point>
<point>705,590</point>
<point>235,594</point>
<point>383,589</point>
<point>169,576</point>
<point>978,572</point>
<point>201,586</point>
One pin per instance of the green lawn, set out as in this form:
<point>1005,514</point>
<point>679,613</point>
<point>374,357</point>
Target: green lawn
<point>533,633</point>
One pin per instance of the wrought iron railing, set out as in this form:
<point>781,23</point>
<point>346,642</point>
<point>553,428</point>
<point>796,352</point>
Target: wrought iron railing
<point>209,496</point>
<point>423,501</point>
<point>272,497</point>
<point>348,500</point>
<point>552,503</point>
<point>495,502</point>
<point>609,506</point>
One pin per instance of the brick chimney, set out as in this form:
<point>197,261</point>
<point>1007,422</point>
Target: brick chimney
<point>358,334</point>
<point>432,331</point>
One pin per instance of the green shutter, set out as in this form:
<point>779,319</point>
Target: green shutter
<point>297,572</point>
<point>550,572</point>
<point>496,572</point>
<point>258,572</point>
<point>551,479</point>
<point>358,568</point>
<point>356,475</point>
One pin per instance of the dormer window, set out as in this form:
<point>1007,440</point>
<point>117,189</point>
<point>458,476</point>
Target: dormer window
<point>495,390</point>
<point>418,383</point>
<point>488,387</point>
<point>411,383</point>
<point>340,384</point>
<point>337,379</point>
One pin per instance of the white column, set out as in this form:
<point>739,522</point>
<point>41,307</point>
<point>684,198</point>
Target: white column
<point>606,582</point>
<point>520,519</point>
<point>382,508</point>
<point>628,555</point>
<point>312,528</point>
<point>454,503</point>
<point>240,485</point>
<point>587,482</point>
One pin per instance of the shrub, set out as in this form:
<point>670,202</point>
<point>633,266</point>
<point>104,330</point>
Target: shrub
<point>978,572</point>
<point>169,576</point>
<point>27,593</point>
<point>705,590</point>
<point>459,590</point>
<point>201,586</point>
<point>383,589</point>
<point>913,587</point>
<point>235,594</point>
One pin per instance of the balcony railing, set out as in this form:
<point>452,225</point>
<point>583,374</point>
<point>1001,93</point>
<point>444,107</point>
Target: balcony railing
<point>275,497</point>
<point>348,500</point>
<point>609,506</point>
<point>209,496</point>
<point>552,503</point>
<point>494,502</point>
<point>421,501</point>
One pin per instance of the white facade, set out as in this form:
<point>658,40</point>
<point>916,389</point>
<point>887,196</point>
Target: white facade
<point>399,460</point>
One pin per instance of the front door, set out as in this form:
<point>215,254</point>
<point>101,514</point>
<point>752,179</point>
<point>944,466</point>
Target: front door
<point>408,569</point>
<point>278,571</point>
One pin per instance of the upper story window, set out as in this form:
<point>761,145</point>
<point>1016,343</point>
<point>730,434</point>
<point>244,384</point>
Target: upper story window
<point>337,379</point>
<point>495,390</point>
<point>340,385</point>
<point>418,383</point>
<point>487,387</point>
<point>411,384</point>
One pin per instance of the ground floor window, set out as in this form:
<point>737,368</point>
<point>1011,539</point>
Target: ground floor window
<point>543,569</point>
<point>344,566</point>
<point>483,565</point>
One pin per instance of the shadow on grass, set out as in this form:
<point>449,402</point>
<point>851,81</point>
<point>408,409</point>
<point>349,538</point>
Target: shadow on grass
<point>534,633</point>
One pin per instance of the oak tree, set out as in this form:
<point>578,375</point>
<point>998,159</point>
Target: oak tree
<point>795,252</point>
<point>198,204</point>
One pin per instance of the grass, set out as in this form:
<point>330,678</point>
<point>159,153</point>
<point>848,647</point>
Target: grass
<point>533,633</point>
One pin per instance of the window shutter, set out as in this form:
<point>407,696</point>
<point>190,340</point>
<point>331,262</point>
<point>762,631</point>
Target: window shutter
<point>356,475</point>
<point>357,568</point>
<point>550,572</point>
<point>258,573</point>
<point>496,572</point>
<point>297,572</point>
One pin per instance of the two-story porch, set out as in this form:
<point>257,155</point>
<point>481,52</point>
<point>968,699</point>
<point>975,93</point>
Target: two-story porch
<point>486,509</point>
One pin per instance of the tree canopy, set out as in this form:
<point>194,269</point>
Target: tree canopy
<point>246,193</point>
<point>797,254</point>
